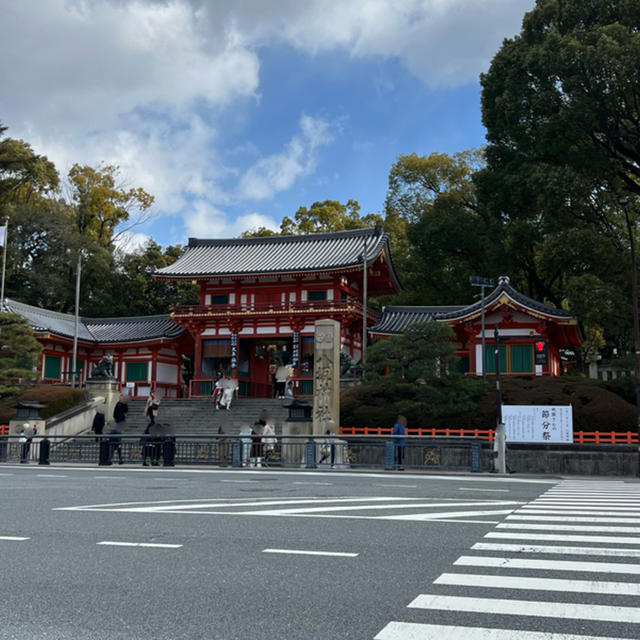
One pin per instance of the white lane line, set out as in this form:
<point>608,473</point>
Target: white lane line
<point>571,551</point>
<point>7,474</point>
<point>483,490</point>
<point>324,484</point>
<point>258,503</point>
<point>151,545</point>
<point>242,481</point>
<point>48,475</point>
<point>548,565</point>
<point>109,478</point>
<point>596,502</point>
<point>442,515</point>
<point>540,609</point>
<point>562,538</point>
<point>567,527</point>
<point>393,486</point>
<point>300,552</point>
<point>415,505</point>
<point>418,631</point>
<point>573,519</point>
<point>539,584</point>
<point>14,538</point>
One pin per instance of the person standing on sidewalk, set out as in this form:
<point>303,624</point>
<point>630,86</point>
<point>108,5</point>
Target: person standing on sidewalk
<point>399,429</point>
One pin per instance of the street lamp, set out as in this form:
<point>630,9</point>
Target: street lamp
<point>477,281</point>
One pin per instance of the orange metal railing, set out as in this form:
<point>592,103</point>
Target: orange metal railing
<point>579,437</point>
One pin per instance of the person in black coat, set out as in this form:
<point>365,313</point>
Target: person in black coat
<point>120,412</point>
<point>98,424</point>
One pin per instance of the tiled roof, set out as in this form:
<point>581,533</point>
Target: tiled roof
<point>96,330</point>
<point>279,254</point>
<point>395,319</point>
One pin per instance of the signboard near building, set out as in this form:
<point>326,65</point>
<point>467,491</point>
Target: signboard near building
<point>534,423</point>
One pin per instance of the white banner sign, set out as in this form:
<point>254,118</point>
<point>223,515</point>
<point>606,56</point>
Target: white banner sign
<point>527,423</point>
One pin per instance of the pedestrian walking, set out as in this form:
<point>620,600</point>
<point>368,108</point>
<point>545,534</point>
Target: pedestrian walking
<point>229,388</point>
<point>151,407</point>
<point>269,440</point>
<point>98,424</point>
<point>399,429</point>
<point>328,449</point>
<point>26,436</point>
<point>282,373</point>
<point>120,411</point>
<point>115,445</point>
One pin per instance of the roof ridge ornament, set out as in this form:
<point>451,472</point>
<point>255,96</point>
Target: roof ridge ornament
<point>503,280</point>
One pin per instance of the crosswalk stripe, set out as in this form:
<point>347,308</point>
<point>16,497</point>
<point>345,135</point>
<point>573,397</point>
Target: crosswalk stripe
<point>577,512</point>
<point>574,505</point>
<point>417,631</point>
<point>548,565</point>
<point>567,527</point>
<point>556,518</point>
<point>562,538</point>
<point>539,584</point>
<point>573,551</point>
<point>596,502</point>
<point>539,609</point>
<point>442,514</point>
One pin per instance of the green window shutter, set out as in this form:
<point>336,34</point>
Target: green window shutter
<point>52,367</point>
<point>317,295</point>
<point>489,361</point>
<point>220,299</point>
<point>521,358</point>
<point>136,372</point>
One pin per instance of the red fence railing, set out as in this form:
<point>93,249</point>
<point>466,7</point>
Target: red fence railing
<point>579,437</point>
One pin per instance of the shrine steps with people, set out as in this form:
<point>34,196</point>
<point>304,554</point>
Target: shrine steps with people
<point>198,415</point>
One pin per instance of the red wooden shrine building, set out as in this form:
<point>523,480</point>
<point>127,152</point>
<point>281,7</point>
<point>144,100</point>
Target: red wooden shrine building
<point>259,299</point>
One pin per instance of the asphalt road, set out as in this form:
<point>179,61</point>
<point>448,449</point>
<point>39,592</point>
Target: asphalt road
<point>228,570</point>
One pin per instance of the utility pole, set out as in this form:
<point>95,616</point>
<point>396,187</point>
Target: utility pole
<point>477,281</point>
<point>364,301</point>
<point>4,262</point>
<point>500,440</point>
<point>76,322</point>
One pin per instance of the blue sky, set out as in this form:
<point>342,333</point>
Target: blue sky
<point>235,113</point>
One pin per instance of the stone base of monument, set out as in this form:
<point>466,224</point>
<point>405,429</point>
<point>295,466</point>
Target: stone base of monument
<point>294,449</point>
<point>107,388</point>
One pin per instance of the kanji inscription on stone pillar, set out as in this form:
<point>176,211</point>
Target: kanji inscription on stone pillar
<point>326,376</point>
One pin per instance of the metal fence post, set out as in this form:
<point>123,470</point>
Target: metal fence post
<point>236,453</point>
<point>476,457</point>
<point>389,455</point>
<point>310,454</point>
<point>45,448</point>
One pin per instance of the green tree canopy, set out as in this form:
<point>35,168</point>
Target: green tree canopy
<point>18,353</point>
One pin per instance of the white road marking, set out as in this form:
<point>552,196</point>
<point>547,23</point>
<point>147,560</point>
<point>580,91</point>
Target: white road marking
<point>48,475</point>
<point>109,478</point>
<point>572,551</point>
<point>418,631</point>
<point>394,486</point>
<point>548,565</point>
<point>443,515</point>
<point>337,554</point>
<point>538,609</point>
<point>596,502</point>
<point>419,505</point>
<point>152,545</point>
<point>7,474</point>
<point>241,481</point>
<point>568,527</point>
<point>483,490</point>
<point>14,538</point>
<point>588,506</point>
<point>324,484</point>
<point>562,538</point>
<point>576,512</point>
<point>573,519</point>
<point>539,584</point>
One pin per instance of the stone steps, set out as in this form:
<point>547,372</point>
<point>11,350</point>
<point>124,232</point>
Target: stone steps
<point>198,415</point>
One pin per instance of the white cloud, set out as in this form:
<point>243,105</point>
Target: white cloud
<point>206,221</point>
<point>131,242</point>
<point>142,83</point>
<point>279,171</point>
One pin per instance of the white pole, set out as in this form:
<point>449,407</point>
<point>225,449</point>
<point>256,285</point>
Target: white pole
<point>364,301</point>
<point>4,262</point>
<point>75,322</point>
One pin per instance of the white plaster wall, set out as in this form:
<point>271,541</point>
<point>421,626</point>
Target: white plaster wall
<point>166,372</point>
